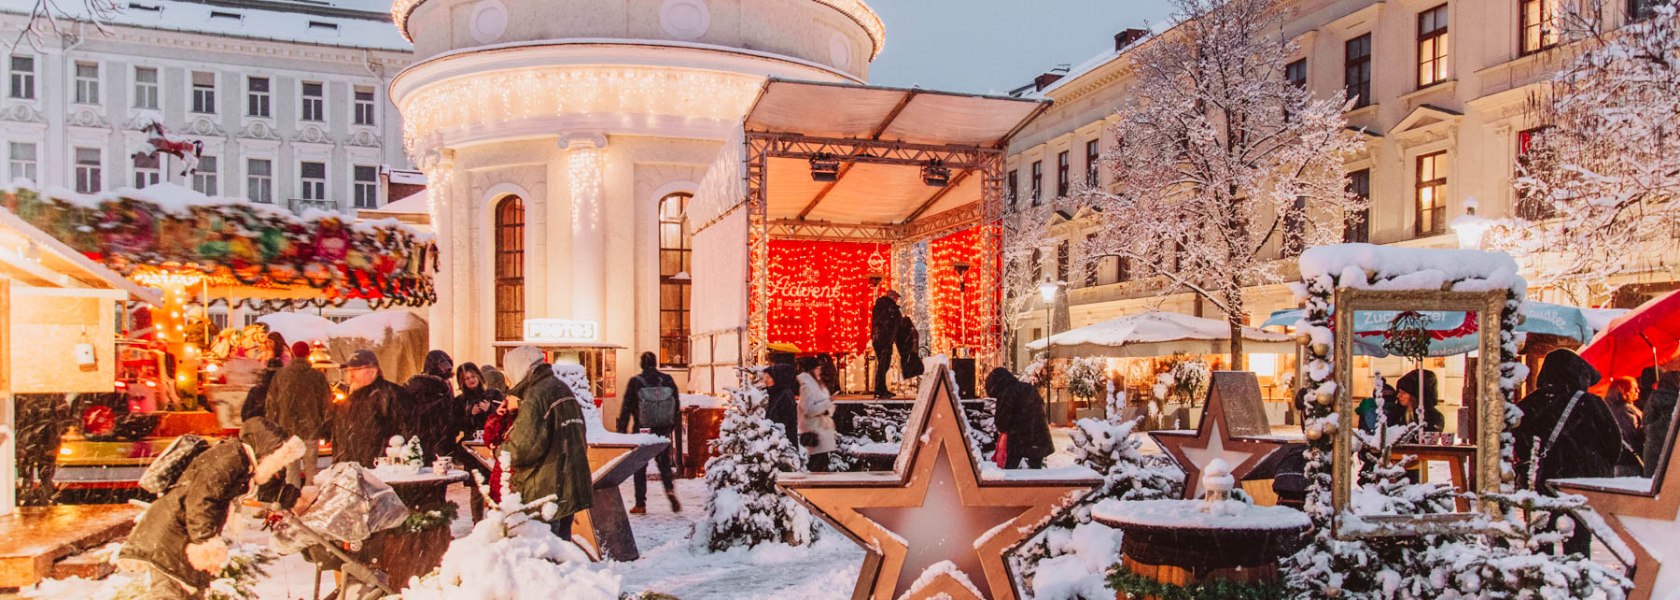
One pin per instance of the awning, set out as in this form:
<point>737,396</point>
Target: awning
<point>1539,319</point>
<point>1157,333</point>
<point>869,191</point>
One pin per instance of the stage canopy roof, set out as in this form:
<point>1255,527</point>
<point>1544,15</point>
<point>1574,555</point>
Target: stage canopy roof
<point>882,136</point>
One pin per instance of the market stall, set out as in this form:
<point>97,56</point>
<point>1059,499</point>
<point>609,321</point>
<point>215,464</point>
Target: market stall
<point>1160,357</point>
<point>198,251</point>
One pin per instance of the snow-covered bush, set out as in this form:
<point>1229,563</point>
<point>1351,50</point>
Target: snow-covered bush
<point>743,507</point>
<point>511,555</point>
<point>1085,376</point>
<point>1068,554</point>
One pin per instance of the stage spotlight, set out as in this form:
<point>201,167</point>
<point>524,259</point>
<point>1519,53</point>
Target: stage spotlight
<point>824,167</point>
<point>935,174</point>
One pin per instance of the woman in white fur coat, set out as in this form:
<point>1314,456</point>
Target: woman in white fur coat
<point>816,416</point>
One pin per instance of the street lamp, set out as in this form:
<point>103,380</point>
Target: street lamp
<point>1048,291</point>
<point>1470,228</point>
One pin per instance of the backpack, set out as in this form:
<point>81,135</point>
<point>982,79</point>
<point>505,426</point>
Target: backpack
<point>656,406</point>
<point>167,468</point>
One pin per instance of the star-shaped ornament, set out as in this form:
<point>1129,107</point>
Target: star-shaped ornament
<point>1213,440</point>
<point>932,526</point>
<point>1648,521</point>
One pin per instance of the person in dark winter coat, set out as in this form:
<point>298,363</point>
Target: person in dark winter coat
<point>256,400</point>
<point>629,421</point>
<point>1658,394</point>
<point>1019,419</point>
<point>41,422</point>
<point>884,319</point>
<point>909,349</point>
<point>298,401</point>
<point>830,373</point>
<point>365,422</point>
<point>547,448</point>
<point>1577,435</point>
<point>1408,394</point>
<point>178,542</point>
<point>1620,399</point>
<point>783,408</point>
<point>475,400</point>
<point>430,413</point>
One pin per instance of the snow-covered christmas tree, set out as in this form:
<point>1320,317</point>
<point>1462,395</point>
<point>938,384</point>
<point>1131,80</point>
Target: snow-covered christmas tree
<point>1070,558</point>
<point>743,507</point>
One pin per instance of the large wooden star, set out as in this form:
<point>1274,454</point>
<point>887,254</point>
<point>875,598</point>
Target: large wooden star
<point>1647,521</point>
<point>1213,440</point>
<point>932,526</point>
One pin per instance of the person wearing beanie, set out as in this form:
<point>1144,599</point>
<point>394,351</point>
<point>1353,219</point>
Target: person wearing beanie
<point>656,388</point>
<point>177,546</point>
<point>365,422</point>
<point>299,400</point>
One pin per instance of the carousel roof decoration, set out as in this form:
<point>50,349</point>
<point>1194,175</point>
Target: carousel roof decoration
<point>167,234</point>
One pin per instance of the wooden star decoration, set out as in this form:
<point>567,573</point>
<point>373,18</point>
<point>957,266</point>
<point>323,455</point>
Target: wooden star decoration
<point>933,520</point>
<point>1647,522</point>
<point>1213,440</point>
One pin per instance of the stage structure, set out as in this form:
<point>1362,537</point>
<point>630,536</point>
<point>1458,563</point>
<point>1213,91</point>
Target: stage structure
<point>836,191</point>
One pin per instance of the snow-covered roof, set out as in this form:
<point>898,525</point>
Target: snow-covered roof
<point>1158,333</point>
<point>1395,267</point>
<point>1099,60</point>
<point>346,23</point>
<point>413,204</point>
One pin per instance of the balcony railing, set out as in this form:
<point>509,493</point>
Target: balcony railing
<point>299,205</point>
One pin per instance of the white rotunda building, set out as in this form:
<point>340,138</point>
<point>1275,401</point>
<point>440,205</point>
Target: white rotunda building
<point>563,141</point>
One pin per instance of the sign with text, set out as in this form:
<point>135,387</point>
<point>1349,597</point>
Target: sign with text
<point>555,331</point>
<point>820,295</point>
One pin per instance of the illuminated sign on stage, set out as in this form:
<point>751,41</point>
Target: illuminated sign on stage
<point>550,331</point>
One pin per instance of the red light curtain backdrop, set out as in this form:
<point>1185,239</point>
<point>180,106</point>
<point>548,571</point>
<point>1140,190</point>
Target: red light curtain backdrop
<point>820,295</point>
<point>955,312</point>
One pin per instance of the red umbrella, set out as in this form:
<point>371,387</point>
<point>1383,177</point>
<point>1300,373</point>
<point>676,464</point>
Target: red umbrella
<point>1649,335</point>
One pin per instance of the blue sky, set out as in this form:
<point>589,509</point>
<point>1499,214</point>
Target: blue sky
<point>994,45</point>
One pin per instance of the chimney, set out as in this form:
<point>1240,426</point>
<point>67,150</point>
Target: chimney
<point>1045,79</point>
<point>1052,76</point>
<point>1128,37</point>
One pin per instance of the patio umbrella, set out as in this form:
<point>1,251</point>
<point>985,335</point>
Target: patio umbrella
<point>1158,333</point>
<point>1647,336</point>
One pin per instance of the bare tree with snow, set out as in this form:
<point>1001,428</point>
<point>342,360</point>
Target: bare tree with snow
<point>65,21</point>
<point>1597,185</point>
<point>1223,164</point>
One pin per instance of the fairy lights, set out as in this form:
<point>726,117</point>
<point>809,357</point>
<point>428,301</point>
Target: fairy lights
<point>956,307</point>
<point>855,10</point>
<point>498,97</point>
<point>820,295</point>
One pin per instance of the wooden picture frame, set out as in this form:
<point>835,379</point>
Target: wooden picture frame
<point>1490,408</point>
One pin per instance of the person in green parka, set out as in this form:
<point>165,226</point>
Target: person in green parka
<point>546,448</point>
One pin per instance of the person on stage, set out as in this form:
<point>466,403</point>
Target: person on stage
<point>884,320</point>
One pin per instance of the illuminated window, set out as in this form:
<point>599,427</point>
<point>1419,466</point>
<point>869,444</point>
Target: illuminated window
<point>675,295</point>
<point>1539,25</point>
<point>510,269</point>
<point>1432,46</point>
<point>1431,208</point>
<point>1356,225</point>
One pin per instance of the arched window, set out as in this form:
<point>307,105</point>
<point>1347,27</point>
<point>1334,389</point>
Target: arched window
<point>510,269</point>
<point>674,280</point>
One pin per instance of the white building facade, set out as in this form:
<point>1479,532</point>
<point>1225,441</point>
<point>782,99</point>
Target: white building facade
<point>1443,90</point>
<point>562,149</point>
<point>288,98</point>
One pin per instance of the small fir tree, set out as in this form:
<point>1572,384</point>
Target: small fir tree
<point>1108,447</point>
<point>743,507</point>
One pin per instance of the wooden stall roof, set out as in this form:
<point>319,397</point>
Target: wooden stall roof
<point>871,192</point>
<point>36,259</point>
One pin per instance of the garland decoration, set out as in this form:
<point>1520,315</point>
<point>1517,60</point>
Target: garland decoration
<point>166,229</point>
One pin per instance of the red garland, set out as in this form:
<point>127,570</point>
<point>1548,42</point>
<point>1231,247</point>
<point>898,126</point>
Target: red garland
<point>819,293</point>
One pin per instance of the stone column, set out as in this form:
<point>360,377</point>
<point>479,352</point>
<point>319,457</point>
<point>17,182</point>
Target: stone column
<point>586,155</point>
